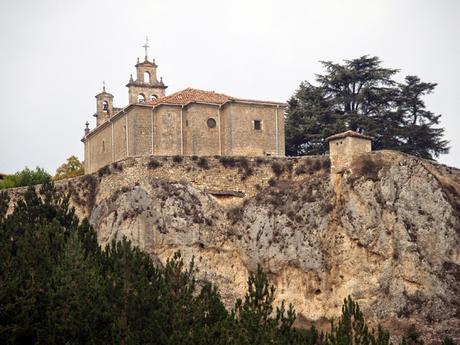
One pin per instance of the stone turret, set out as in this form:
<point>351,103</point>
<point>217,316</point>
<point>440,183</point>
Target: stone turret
<point>343,147</point>
<point>104,106</point>
<point>146,85</point>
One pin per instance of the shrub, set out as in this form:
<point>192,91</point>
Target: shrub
<point>117,167</point>
<point>369,168</point>
<point>104,171</point>
<point>316,166</point>
<point>153,164</point>
<point>178,159</point>
<point>301,169</point>
<point>203,163</point>
<point>277,169</point>
<point>272,182</point>
<point>259,161</point>
<point>227,162</point>
<point>194,158</point>
<point>327,164</point>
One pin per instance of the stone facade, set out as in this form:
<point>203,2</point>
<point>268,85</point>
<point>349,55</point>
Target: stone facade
<point>343,147</point>
<point>189,122</point>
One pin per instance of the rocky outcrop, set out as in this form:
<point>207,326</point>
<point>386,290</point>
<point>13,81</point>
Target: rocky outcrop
<point>386,232</point>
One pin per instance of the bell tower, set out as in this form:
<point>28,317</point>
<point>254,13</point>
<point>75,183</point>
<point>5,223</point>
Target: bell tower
<point>104,106</point>
<point>146,85</point>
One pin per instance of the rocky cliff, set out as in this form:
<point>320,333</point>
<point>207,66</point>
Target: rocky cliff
<point>386,232</point>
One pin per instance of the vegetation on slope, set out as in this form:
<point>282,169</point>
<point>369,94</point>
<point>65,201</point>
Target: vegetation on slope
<point>58,286</point>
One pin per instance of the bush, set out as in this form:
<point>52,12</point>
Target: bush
<point>25,177</point>
<point>203,163</point>
<point>117,166</point>
<point>178,159</point>
<point>153,164</point>
<point>301,169</point>
<point>104,171</point>
<point>327,164</point>
<point>316,166</point>
<point>272,182</point>
<point>227,162</point>
<point>277,169</point>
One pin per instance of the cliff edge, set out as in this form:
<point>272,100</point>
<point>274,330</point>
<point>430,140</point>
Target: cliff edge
<point>386,231</point>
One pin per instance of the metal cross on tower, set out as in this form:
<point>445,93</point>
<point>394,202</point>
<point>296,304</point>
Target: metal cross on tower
<point>146,46</point>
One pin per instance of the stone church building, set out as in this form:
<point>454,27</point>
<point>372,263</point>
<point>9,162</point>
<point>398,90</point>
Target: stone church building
<point>188,122</point>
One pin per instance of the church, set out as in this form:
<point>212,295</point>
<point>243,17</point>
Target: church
<point>188,122</point>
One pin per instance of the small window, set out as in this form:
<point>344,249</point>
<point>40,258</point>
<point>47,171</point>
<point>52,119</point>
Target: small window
<point>105,106</point>
<point>141,98</point>
<point>153,97</point>
<point>257,125</point>
<point>103,146</point>
<point>211,123</point>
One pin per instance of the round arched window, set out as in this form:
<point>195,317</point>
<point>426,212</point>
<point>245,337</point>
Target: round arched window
<point>211,123</point>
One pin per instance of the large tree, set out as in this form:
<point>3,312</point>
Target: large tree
<point>362,95</point>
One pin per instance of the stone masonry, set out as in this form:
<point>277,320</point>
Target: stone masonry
<point>187,123</point>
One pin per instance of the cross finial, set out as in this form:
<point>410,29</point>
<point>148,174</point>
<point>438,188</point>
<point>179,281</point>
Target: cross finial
<point>103,86</point>
<point>146,46</point>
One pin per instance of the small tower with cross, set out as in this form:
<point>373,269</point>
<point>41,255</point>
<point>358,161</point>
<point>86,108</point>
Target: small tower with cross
<point>146,86</point>
<point>104,106</point>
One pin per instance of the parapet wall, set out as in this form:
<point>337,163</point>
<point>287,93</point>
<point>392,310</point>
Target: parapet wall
<point>230,180</point>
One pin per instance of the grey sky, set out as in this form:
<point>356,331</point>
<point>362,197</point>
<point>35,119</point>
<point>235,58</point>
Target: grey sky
<point>54,56</point>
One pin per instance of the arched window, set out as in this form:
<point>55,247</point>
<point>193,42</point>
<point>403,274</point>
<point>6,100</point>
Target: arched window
<point>105,106</point>
<point>141,98</point>
<point>152,97</point>
<point>146,77</point>
<point>103,146</point>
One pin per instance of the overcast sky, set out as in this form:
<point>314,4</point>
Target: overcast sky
<point>54,56</point>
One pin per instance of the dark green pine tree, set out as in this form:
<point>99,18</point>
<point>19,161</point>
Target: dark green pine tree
<point>420,132</point>
<point>352,329</point>
<point>134,287</point>
<point>47,273</point>
<point>362,95</point>
<point>254,315</point>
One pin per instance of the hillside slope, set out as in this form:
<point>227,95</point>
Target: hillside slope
<point>387,233</point>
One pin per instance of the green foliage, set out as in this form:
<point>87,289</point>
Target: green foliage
<point>447,341</point>
<point>362,95</point>
<point>25,177</point>
<point>57,286</point>
<point>72,168</point>
<point>352,329</point>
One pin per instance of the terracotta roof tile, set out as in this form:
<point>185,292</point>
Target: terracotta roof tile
<point>190,95</point>
<point>348,134</point>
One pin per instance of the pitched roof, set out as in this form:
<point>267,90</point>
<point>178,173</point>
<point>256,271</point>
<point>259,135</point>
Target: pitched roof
<point>190,95</point>
<point>348,134</point>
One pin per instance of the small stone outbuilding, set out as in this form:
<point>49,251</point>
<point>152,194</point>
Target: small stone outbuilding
<point>343,147</point>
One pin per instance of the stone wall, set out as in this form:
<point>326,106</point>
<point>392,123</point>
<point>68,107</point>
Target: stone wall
<point>241,138</point>
<point>178,131</point>
<point>199,139</point>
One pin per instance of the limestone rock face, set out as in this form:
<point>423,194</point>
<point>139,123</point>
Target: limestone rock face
<point>386,232</point>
